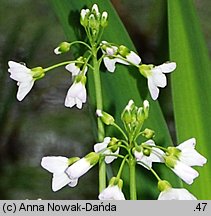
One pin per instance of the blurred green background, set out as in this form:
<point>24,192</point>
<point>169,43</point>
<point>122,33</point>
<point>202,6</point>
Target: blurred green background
<point>41,125</point>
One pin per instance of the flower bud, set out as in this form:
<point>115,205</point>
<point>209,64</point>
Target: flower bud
<point>146,108</point>
<point>140,115</point>
<point>84,17</point>
<point>104,21</point>
<point>148,133</point>
<point>95,9</point>
<point>126,115</point>
<point>105,117</point>
<point>147,152</point>
<point>123,51</point>
<point>113,144</point>
<point>62,48</point>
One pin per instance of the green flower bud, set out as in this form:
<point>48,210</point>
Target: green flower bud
<point>38,72</point>
<point>81,59</point>
<point>113,144</point>
<point>84,17</point>
<point>126,115</point>
<point>147,152</point>
<point>137,148</point>
<point>146,108</point>
<point>148,133</point>
<point>95,10</point>
<point>105,117</point>
<point>163,185</point>
<point>123,51</point>
<point>62,48</point>
<point>104,21</point>
<point>92,22</point>
<point>140,115</point>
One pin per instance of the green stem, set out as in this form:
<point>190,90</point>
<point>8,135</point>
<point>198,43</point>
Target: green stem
<point>120,129</point>
<point>61,64</point>
<point>99,105</point>
<point>81,42</point>
<point>132,167</point>
<point>121,167</point>
<point>155,174</point>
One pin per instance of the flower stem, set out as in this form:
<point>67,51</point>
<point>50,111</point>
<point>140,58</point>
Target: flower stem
<point>99,105</point>
<point>61,64</point>
<point>121,167</point>
<point>132,166</point>
<point>120,129</point>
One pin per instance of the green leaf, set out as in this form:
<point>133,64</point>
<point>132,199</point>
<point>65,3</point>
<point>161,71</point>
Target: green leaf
<point>121,86</point>
<point>191,84</point>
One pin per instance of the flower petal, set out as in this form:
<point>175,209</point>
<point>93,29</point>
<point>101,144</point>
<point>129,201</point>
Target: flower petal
<point>72,68</point>
<point>111,193</point>
<point>134,58</point>
<point>167,67</point>
<point>153,89</point>
<point>78,169</point>
<point>190,143</point>
<point>73,182</point>
<point>59,181</point>
<point>23,89</point>
<point>55,164</point>
<point>185,172</point>
<point>189,155</point>
<point>76,95</point>
<point>176,194</point>
<point>109,64</point>
<point>109,159</point>
<point>101,146</point>
<point>158,77</point>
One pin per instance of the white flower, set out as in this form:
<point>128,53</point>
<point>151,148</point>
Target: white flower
<point>176,194</point>
<point>57,165</point>
<point>76,95</point>
<point>112,192</point>
<point>185,172</point>
<point>189,155</point>
<point>74,69</point>
<point>98,147</point>
<point>23,76</point>
<point>112,57</point>
<point>156,155</point>
<point>156,76</point>
<point>111,61</point>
